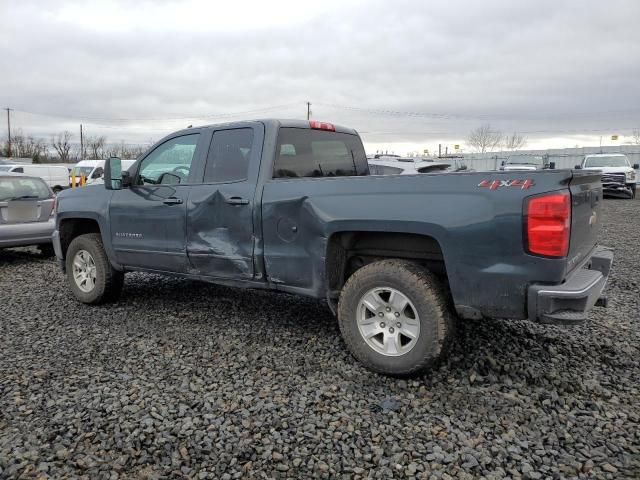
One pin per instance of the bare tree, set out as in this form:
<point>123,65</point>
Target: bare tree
<point>26,146</point>
<point>515,141</point>
<point>484,138</point>
<point>62,145</point>
<point>96,147</point>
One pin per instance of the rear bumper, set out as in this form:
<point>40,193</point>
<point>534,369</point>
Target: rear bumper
<point>570,302</point>
<point>24,234</point>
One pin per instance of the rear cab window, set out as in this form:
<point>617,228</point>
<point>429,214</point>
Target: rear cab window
<point>303,153</point>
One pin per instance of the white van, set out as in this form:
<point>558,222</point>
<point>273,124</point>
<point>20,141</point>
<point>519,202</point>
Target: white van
<point>56,176</point>
<point>93,171</point>
<point>89,169</point>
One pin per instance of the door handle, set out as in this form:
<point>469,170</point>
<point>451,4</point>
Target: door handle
<point>172,201</point>
<point>237,201</point>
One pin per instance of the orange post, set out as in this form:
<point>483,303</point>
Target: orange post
<point>73,180</point>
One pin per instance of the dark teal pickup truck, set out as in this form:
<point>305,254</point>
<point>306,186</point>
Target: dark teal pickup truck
<point>291,206</point>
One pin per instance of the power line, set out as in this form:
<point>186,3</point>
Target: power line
<point>133,119</point>
<point>481,116</point>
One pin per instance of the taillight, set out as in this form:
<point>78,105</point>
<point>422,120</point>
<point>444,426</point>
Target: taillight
<point>53,207</point>
<point>548,224</point>
<point>316,125</point>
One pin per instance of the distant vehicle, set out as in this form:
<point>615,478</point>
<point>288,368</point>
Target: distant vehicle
<point>526,162</point>
<point>399,167</point>
<point>27,207</point>
<point>92,171</point>
<point>126,164</point>
<point>289,205</point>
<point>56,176</point>
<point>618,176</point>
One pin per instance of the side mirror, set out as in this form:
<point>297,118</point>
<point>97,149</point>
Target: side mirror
<point>97,173</point>
<point>169,178</point>
<point>552,165</point>
<point>578,167</point>
<point>636,166</point>
<point>113,174</point>
<point>502,163</point>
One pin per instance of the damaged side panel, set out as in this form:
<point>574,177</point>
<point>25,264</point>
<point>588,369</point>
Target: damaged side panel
<point>220,234</point>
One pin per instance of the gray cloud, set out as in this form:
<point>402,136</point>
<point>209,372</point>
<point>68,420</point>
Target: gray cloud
<point>551,68</point>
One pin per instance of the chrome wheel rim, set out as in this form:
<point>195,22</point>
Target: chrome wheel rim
<point>84,271</point>
<point>388,321</point>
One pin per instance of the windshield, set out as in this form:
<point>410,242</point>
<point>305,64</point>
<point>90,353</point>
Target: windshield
<point>77,171</point>
<point>5,168</point>
<point>525,161</point>
<point>15,188</point>
<point>612,161</point>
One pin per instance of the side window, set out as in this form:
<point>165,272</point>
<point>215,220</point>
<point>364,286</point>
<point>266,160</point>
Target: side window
<point>18,170</point>
<point>229,155</point>
<point>170,163</point>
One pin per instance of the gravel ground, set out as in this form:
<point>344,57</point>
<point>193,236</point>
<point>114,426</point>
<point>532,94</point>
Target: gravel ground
<point>187,380</point>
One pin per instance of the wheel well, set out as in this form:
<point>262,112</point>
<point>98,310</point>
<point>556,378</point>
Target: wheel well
<point>74,227</point>
<point>349,251</point>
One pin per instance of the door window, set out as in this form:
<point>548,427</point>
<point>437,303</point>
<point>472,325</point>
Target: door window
<point>229,155</point>
<point>170,163</point>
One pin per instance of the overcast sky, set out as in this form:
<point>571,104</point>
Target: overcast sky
<point>406,74</point>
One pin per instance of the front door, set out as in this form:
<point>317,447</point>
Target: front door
<point>148,220</point>
<point>220,211</point>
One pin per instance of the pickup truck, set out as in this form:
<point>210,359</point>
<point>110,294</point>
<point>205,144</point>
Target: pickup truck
<point>290,206</point>
<point>618,175</point>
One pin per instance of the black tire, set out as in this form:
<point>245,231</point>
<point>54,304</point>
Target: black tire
<point>108,281</point>
<point>429,299</point>
<point>46,251</point>
<point>633,192</point>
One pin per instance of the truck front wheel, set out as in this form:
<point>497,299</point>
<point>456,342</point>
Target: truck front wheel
<point>90,275</point>
<point>394,317</point>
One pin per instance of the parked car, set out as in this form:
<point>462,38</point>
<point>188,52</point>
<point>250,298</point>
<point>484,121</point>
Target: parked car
<point>27,207</point>
<point>526,162</point>
<point>398,167</point>
<point>618,176</point>
<point>56,176</point>
<point>290,206</point>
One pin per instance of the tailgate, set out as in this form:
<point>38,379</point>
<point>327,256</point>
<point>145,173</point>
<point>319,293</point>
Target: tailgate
<point>586,199</point>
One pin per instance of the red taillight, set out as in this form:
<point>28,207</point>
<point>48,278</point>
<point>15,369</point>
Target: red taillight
<point>548,224</point>
<point>316,125</point>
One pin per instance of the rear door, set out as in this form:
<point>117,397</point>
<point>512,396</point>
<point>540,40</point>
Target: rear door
<point>586,200</point>
<point>220,211</point>
<point>148,220</point>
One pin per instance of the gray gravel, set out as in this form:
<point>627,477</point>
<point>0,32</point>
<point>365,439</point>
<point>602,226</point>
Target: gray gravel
<point>187,380</point>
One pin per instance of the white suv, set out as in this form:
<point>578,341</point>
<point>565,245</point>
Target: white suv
<point>618,176</point>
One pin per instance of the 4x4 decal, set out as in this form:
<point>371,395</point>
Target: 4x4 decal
<point>496,184</point>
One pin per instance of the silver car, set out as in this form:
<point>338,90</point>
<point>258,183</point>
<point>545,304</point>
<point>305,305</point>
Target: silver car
<point>27,208</point>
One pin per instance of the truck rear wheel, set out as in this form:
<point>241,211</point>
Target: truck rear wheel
<point>90,275</point>
<point>394,317</point>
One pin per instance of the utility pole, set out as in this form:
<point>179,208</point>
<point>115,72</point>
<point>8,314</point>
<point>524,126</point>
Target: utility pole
<point>9,130</point>
<point>81,144</point>
<point>308,110</point>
